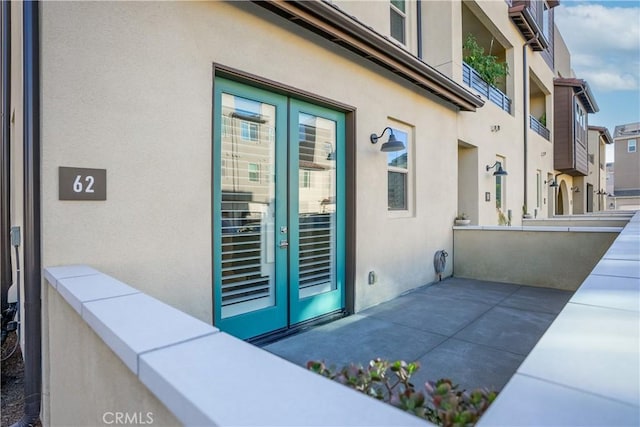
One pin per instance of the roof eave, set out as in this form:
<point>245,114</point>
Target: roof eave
<point>333,24</point>
<point>583,92</point>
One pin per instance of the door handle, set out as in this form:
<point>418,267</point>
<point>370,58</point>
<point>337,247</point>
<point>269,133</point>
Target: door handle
<point>284,244</point>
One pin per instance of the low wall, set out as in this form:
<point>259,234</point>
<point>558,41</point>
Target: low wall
<point>585,369</point>
<point>118,356</point>
<point>551,257</point>
<point>576,222</point>
<point>88,384</point>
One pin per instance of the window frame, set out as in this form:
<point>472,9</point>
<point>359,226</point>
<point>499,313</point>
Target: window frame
<point>538,188</point>
<point>500,179</point>
<point>401,131</point>
<point>632,143</point>
<point>252,131</point>
<point>402,14</point>
<point>254,175</point>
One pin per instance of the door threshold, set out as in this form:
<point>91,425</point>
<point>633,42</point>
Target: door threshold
<point>279,334</point>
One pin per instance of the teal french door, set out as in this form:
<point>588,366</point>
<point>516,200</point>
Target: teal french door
<point>278,206</point>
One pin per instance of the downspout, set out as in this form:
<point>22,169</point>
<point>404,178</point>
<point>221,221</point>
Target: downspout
<point>32,261</point>
<point>5,178</point>
<point>419,26</point>
<point>525,112</point>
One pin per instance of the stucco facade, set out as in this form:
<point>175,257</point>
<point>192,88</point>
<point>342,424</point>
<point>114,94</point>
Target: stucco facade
<point>131,88</point>
<point>626,167</point>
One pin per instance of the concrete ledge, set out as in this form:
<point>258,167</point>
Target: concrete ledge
<point>551,257</point>
<point>540,228</point>
<point>585,370</point>
<point>204,376</point>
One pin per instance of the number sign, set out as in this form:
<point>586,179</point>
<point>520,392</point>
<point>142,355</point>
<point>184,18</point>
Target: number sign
<point>82,184</point>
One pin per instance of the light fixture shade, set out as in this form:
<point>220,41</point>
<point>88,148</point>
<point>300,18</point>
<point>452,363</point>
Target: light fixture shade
<point>392,144</point>
<point>553,184</point>
<point>500,171</point>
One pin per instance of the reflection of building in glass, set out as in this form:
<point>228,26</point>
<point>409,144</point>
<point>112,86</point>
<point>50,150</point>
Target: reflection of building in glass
<point>398,175</point>
<point>316,204</point>
<point>247,153</point>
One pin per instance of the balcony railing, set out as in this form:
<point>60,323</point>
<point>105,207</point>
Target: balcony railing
<point>472,79</point>
<point>539,128</point>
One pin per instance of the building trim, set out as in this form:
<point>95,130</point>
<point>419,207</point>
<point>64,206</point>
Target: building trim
<point>32,214</point>
<point>5,158</point>
<point>582,90</point>
<point>330,22</point>
<point>604,133</point>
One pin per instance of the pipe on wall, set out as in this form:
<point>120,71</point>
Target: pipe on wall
<point>32,233</point>
<point>419,26</point>
<point>5,157</point>
<point>525,111</point>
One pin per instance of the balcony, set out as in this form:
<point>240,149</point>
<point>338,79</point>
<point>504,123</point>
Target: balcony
<point>539,128</point>
<point>528,16</point>
<point>471,78</point>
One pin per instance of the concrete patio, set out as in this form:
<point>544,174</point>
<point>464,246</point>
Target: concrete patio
<point>475,332</point>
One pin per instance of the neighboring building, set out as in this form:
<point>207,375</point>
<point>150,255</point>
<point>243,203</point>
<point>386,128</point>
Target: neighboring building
<point>627,166</point>
<point>243,186</point>
<point>591,190</point>
<point>573,102</point>
<point>611,176</point>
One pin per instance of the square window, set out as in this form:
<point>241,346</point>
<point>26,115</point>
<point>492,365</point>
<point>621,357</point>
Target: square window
<point>305,179</point>
<point>254,172</point>
<point>249,131</point>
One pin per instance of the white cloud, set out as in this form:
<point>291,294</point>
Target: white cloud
<point>604,43</point>
<point>610,80</point>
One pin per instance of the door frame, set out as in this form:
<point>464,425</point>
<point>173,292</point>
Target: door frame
<point>350,168</point>
<point>301,310</point>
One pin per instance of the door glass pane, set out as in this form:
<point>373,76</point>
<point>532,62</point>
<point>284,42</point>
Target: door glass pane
<point>248,193</point>
<point>317,205</point>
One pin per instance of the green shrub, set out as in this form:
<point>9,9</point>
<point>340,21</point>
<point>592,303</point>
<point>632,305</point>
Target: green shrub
<point>442,402</point>
<point>486,65</point>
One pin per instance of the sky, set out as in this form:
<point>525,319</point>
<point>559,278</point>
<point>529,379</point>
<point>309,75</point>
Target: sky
<point>604,40</point>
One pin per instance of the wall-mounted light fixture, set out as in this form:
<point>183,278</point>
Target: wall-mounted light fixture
<point>600,192</point>
<point>499,171</point>
<point>544,153</point>
<point>495,128</point>
<point>392,143</point>
<point>554,182</point>
<point>328,147</point>
<point>575,189</point>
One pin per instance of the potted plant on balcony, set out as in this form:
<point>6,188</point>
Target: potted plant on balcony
<point>462,219</point>
<point>485,64</point>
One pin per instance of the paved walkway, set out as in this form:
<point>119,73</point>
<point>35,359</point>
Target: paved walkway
<point>475,333</point>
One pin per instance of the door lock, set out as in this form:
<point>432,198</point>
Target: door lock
<point>284,244</point>
<point>283,229</point>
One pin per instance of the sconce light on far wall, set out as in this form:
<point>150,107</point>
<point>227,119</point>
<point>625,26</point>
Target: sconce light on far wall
<point>552,183</point>
<point>392,143</point>
<point>600,192</point>
<point>499,171</point>
<point>575,189</point>
<point>495,128</point>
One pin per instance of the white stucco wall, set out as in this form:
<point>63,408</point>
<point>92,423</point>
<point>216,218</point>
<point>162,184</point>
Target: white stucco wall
<point>128,89</point>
